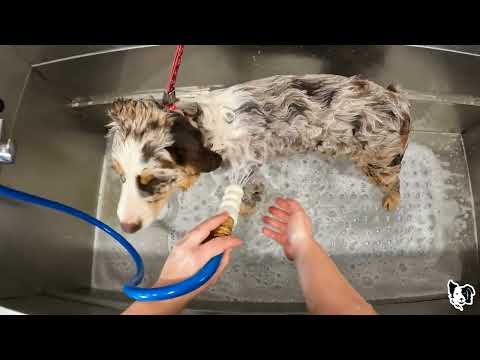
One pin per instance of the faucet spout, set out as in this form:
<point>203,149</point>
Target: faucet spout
<point>7,150</point>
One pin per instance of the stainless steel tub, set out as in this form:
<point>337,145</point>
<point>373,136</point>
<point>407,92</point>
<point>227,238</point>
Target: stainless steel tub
<point>55,110</point>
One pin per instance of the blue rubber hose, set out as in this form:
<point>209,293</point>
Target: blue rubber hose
<point>130,288</point>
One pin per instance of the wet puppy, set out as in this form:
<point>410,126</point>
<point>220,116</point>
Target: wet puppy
<point>156,152</point>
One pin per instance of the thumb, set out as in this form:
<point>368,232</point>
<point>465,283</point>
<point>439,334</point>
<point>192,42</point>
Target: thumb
<point>217,246</point>
<point>295,205</point>
<point>221,268</point>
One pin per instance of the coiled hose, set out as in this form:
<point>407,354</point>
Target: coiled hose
<point>130,288</point>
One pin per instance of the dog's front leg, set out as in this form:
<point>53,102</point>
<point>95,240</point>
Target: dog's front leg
<point>252,194</point>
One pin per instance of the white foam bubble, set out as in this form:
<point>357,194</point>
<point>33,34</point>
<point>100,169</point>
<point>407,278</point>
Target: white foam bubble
<point>346,212</point>
<point>409,252</point>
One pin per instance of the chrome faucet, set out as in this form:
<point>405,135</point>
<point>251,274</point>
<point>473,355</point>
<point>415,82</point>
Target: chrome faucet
<point>7,150</point>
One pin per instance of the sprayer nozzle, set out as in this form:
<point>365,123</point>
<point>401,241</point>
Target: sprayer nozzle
<point>232,200</point>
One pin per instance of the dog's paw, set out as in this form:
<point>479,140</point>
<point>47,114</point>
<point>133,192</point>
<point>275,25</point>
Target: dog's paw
<point>247,209</point>
<point>391,201</point>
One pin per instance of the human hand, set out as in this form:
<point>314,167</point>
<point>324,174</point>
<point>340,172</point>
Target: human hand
<point>293,230</point>
<point>190,255</point>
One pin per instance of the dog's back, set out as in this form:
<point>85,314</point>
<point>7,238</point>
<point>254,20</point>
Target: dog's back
<point>335,115</point>
<point>285,114</point>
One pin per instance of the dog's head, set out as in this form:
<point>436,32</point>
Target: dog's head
<point>154,152</point>
<point>460,295</point>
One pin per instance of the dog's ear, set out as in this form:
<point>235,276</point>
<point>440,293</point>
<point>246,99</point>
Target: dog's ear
<point>188,149</point>
<point>451,286</point>
<point>191,109</point>
<point>468,291</point>
<point>136,116</point>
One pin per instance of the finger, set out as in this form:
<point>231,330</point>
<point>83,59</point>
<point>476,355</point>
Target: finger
<point>283,204</point>
<point>217,246</point>
<point>279,238</point>
<point>280,226</point>
<point>201,231</point>
<point>279,214</point>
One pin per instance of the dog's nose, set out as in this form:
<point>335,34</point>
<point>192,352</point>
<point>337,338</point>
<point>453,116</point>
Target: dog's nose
<point>131,227</point>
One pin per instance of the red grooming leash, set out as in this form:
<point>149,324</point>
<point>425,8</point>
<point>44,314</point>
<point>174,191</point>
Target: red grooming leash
<point>177,60</point>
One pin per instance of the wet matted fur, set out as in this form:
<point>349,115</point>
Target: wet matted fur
<point>156,152</point>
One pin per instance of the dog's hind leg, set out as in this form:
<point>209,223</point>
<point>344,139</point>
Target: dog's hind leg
<point>385,176</point>
<point>391,185</point>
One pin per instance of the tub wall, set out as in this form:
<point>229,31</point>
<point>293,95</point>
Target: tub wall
<point>59,156</point>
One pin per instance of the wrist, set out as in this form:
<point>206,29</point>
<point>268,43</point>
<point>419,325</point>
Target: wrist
<point>305,249</point>
<point>179,302</point>
<point>164,307</point>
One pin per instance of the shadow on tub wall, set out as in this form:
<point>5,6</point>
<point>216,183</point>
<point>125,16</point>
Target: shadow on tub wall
<point>415,68</point>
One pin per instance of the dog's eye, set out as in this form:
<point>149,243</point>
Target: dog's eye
<point>122,179</point>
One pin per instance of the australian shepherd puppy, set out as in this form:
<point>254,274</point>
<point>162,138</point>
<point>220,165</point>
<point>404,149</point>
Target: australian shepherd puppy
<point>155,151</point>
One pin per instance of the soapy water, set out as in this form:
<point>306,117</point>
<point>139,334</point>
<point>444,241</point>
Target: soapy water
<point>409,252</point>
